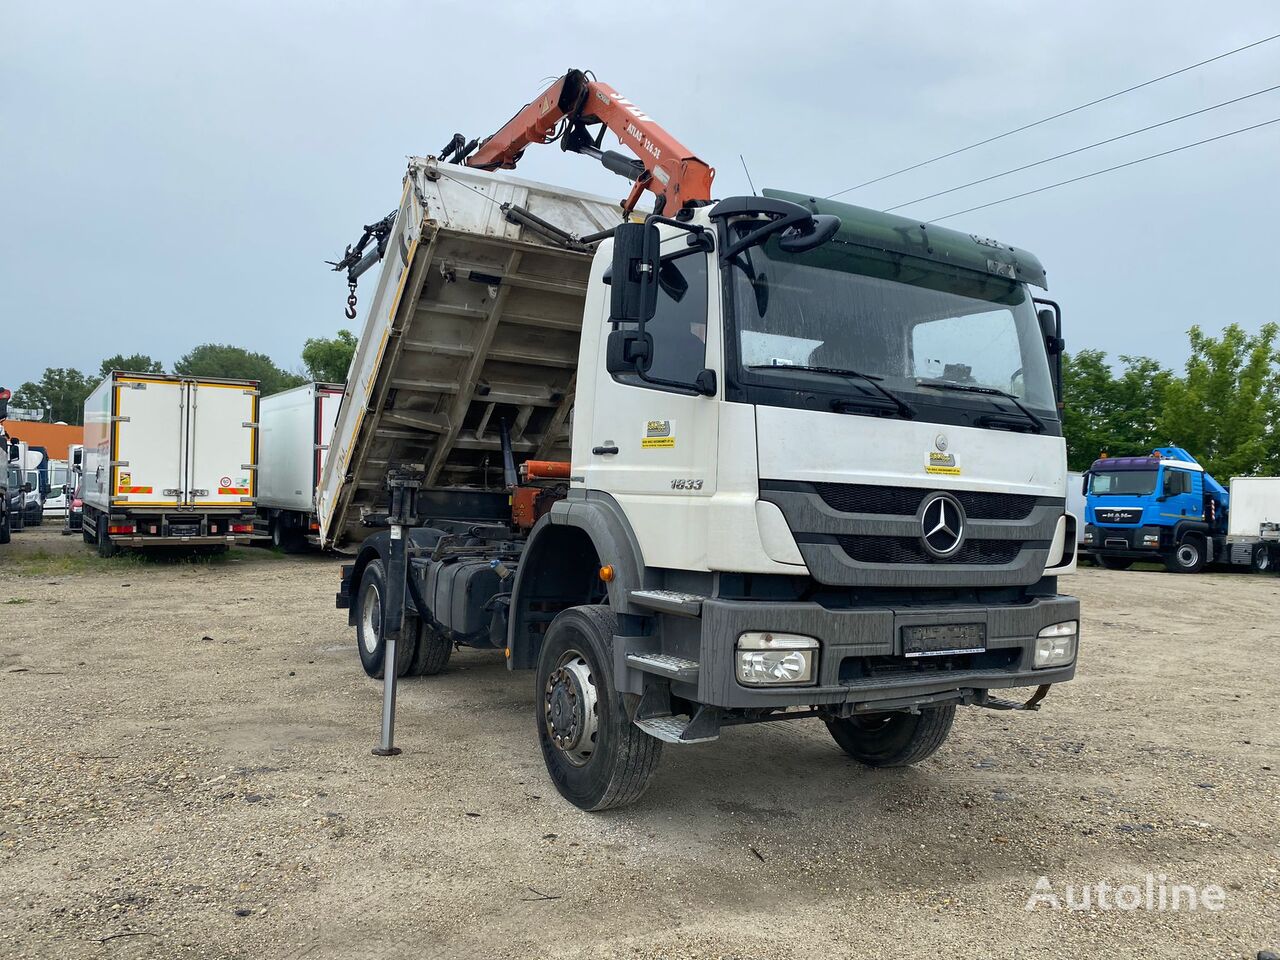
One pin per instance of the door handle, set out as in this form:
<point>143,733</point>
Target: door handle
<point>601,451</point>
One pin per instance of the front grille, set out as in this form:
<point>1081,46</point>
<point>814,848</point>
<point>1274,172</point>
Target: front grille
<point>860,669</point>
<point>905,501</point>
<point>911,550</point>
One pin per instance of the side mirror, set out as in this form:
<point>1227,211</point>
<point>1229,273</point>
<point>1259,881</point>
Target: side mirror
<point>634,281</point>
<point>1051,330</point>
<point>66,491</point>
<point>813,232</point>
<point>25,488</point>
<point>1084,484</point>
<point>628,351</point>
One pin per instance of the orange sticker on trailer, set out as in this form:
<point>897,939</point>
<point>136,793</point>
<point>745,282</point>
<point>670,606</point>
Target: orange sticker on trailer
<point>134,490</point>
<point>234,491</point>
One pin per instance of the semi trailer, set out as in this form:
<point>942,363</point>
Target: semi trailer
<point>296,426</point>
<point>758,459</point>
<point>1163,507</point>
<point>169,461</point>
<point>1253,525</point>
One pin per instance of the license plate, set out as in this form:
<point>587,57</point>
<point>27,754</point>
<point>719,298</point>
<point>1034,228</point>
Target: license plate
<point>184,530</point>
<point>936,640</point>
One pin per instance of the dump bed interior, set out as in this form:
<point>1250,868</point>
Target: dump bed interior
<point>475,321</point>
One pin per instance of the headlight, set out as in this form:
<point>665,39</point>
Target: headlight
<point>776,658</point>
<point>1056,644</point>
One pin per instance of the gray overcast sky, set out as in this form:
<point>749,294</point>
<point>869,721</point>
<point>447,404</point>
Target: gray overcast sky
<point>176,173</point>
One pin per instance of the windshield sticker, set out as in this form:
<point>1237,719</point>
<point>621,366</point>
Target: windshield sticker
<point>659,434</point>
<point>943,463</point>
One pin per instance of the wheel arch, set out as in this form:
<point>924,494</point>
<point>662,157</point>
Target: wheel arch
<point>560,568</point>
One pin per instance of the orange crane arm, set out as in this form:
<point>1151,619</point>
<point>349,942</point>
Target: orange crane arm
<point>566,110</point>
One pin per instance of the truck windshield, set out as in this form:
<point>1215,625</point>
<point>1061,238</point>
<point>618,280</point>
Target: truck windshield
<point>1123,483</point>
<point>901,320</point>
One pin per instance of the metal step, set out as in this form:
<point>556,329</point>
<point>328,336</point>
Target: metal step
<point>677,668</point>
<point>669,729</point>
<point>669,601</point>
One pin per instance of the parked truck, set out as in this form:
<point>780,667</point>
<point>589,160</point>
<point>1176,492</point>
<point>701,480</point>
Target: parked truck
<point>1162,507</point>
<point>6,518</point>
<point>1253,526</point>
<point>297,425</point>
<point>761,459</point>
<point>169,461</point>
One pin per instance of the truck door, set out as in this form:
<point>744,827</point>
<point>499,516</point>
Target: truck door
<point>654,448</point>
<point>221,444</point>
<point>1181,494</point>
<point>148,424</point>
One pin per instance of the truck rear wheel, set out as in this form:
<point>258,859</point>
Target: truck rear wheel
<point>1114,563</point>
<point>105,547</point>
<point>432,654</point>
<point>1262,560</point>
<point>285,538</point>
<point>596,756</point>
<point>893,739</point>
<point>369,616</point>
<point>1188,557</point>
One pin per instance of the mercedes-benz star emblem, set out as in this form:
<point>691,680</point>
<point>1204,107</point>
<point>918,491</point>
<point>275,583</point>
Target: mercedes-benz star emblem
<point>940,441</point>
<point>942,525</point>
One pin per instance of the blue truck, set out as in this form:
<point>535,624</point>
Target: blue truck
<point>1163,507</point>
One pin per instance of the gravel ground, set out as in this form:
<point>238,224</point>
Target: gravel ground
<point>186,773</point>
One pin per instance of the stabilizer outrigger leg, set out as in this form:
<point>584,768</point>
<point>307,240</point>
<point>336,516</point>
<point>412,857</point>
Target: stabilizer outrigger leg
<point>404,486</point>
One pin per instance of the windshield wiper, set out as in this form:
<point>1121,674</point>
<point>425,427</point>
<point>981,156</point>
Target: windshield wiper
<point>989,391</point>
<point>904,409</point>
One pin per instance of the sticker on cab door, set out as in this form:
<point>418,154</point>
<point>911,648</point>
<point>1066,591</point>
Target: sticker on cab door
<point>943,463</point>
<point>659,434</point>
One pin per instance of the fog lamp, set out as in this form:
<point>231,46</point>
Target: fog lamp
<point>1056,644</point>
<point>766,658</point>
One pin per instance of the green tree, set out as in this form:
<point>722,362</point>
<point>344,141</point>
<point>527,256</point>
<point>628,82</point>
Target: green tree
<point>1106,412</point>
<point>132,363</point>
<point>223,360</point>
<point>1226,409</point>
<point>60,392</point>
<point>329,360</point>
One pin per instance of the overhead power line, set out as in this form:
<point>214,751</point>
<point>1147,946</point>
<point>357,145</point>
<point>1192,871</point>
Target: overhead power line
<point>1118,166</point>
<point>1100,143</point>
<point>1063,113</point>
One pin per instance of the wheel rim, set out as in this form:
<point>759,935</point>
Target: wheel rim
<point>371,618</point>
<point>277,540</point>
<point>1263,560</point>
<point>571,708</point>
<point>1188,555</point>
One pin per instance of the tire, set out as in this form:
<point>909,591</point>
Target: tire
<point>369,642</point>
<point>893,739</point>
<point>1188,557</point>
<point>1113,563</point>
<point>106,548</point>
<point>594,769</point>
<point>432,654</point>
<point>285,538</point>
<point>5,533</point>
<point>1262,560</point>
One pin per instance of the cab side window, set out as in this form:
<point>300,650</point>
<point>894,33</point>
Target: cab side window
<point>679,326</point>
<point>1176,482</point>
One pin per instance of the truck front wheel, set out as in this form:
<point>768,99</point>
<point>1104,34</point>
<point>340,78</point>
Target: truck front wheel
<point>893,739</point>
<point>1188,557</point>
<point>595,755</point>
<point>370,612</point>
<point>1114,563</point>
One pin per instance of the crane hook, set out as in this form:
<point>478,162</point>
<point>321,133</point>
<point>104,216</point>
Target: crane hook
<point>351,300</point>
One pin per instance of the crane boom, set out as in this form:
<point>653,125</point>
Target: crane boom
<point>567,110</point>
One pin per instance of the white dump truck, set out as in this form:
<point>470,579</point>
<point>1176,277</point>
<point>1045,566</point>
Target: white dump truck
<point>769,458</point>
<point>1253,523</point>
<point>296,427</point>
<point>170,461</point>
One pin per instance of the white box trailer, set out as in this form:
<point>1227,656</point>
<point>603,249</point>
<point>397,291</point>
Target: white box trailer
<point>170,460</point>
<point>1253,522</point>
<point>296,427</point>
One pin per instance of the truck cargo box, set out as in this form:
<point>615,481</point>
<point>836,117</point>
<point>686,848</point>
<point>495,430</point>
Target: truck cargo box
<point>163,442</point>
<point>296,426</point>
<point>1255,501</point>
<point>475,320</point>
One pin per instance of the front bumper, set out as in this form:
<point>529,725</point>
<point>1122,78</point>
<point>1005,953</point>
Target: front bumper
<point>1130,543</point>
<point>860,659</point>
